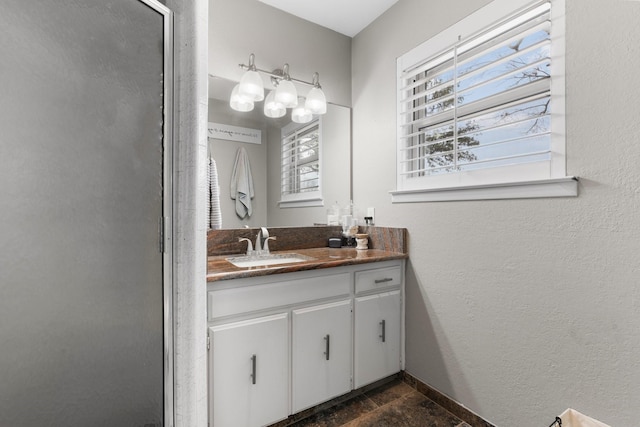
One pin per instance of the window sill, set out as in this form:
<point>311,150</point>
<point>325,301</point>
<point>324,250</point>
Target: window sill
<point>560,187</point>
<point>305,203</point>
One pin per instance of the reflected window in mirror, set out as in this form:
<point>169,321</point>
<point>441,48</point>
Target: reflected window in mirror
<point>300,165</point>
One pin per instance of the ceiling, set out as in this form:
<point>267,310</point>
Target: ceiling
<point>348,17</point>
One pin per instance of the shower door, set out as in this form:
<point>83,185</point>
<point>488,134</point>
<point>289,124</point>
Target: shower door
<point>85,196</point>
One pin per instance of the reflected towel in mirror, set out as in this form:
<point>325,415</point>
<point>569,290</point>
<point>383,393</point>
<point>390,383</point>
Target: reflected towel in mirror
<point>214,213</point>
<point>242,184</point>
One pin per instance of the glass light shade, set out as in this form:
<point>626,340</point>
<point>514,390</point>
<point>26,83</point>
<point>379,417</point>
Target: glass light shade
<point>272,108</point>
<point>316,101</point>
<point>300,114</point>
<point>251,86</point>
<point>286,94</point>
<point>239,102</point>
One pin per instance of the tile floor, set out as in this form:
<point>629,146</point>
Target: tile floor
<point>394,404</point>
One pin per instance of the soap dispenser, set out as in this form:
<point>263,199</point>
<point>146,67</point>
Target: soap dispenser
<point>333,215</point>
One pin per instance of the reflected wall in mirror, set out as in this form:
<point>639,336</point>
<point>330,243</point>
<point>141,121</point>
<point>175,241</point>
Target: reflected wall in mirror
<point>266,160</point>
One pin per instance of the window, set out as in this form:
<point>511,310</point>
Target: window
<point>300,165</point>
<point>481,106</point>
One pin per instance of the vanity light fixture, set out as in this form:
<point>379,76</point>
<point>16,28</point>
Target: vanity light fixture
<point>286,93</point>
<point>251,86</point>
<point>251,90</point>
<point>316,101</point>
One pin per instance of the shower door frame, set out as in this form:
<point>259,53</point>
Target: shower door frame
<point>165,224</point>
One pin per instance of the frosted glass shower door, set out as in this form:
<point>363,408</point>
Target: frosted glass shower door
<point>83,173</point>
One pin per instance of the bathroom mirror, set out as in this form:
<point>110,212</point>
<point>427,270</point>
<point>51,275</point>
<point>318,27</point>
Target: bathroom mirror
<point>264,154</point>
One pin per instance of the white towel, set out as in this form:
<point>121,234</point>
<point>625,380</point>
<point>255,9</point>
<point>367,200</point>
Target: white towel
<point>242,184</point>
<point>573,418</point>
<point>214,213</point>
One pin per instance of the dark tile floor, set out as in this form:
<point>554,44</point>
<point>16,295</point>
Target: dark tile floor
<point>394,404</point>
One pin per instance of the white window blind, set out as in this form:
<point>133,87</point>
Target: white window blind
<point>480,110</point>
<point>300,163</point>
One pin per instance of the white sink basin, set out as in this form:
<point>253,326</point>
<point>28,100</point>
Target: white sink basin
<point>267,260</point>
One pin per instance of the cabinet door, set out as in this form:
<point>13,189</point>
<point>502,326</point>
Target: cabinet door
<point>377,337</point>
<point>248,372</point>
<point>322,353</point>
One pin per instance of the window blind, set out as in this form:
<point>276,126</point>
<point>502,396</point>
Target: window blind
<point>483,103</point>
<point>300,161</point>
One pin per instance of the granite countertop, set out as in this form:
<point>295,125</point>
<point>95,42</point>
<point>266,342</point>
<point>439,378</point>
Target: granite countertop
<point>218,268</point>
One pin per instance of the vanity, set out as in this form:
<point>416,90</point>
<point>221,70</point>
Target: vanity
<point>287,337</point>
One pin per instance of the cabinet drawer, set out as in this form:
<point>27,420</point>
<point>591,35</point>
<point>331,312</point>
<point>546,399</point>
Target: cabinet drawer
<point>246,299</point>
<point>378,278</point>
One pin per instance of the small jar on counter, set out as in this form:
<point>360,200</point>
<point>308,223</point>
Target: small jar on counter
<point>362,241</point>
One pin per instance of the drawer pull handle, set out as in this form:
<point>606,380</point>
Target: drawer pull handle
<point>327,339</point>
<point>386,279</point>
<point>384,333</point>
<point>253,369</point>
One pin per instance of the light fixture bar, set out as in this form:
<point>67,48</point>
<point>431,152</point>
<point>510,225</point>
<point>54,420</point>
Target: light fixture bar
<point>277,76</point>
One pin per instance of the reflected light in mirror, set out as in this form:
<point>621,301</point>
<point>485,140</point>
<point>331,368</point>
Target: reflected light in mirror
<point>301,114</point>
<point>239,102</point>
<point>272,108</point>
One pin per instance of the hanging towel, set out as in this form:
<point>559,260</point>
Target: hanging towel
<point>214,213</point>
<point>242,184</point>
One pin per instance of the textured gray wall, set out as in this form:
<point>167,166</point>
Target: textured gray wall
<point>519,309</point>
<point>81,170</point>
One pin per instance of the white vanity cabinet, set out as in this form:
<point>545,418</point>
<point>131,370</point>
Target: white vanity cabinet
<point>249,369</point>
<point>321,353</point>
<point>378,324</point>
<point>377,337</point>
<point>303,337</point>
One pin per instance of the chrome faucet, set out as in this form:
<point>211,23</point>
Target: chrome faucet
<point>262,241</point>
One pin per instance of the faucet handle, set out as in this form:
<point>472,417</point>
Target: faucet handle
<point>249,244</point>
<point>265,247</point>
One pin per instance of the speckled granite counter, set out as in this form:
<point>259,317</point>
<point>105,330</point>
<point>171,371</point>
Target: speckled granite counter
<point>218,268</point>
<point>385,244</point>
